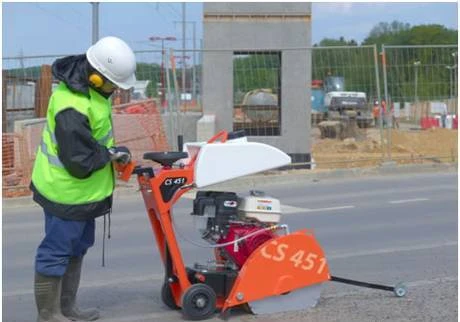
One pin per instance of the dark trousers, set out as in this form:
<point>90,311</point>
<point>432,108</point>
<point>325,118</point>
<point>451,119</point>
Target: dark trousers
<point>63,239</point>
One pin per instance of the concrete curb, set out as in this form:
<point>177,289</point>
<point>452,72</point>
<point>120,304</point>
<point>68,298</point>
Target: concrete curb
<point>129,189</point>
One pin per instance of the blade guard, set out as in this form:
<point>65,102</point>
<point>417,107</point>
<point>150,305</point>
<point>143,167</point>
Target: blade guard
<point>217,162</point>
<point>278,266</point>
<point>124,171</point>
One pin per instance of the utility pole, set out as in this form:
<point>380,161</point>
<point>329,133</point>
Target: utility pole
<point>193,56</point>
<point>416,64</point>
<point>162,71</point>
<point>95,7</point>
<point>183,47</point>
<point>194,62</point>
<point>455,66</point>
<point>450,68</point>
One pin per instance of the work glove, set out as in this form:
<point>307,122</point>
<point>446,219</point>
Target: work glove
<point>120,154</point>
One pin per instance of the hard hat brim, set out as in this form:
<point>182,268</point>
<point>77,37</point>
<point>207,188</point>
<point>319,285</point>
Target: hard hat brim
<point>127,84</point>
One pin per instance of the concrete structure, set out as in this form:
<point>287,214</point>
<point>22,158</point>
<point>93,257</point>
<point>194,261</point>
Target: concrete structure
<point>140,90</point>
<point>260,27</point>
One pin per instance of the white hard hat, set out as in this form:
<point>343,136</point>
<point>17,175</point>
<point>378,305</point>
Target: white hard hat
<point>113,58</point>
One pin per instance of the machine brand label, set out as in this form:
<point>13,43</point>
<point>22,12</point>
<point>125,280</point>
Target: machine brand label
<point>170,186</point>
<point>299,258</point>
<point>174,181</point>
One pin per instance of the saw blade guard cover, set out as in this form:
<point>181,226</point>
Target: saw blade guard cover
<point>221,161</point>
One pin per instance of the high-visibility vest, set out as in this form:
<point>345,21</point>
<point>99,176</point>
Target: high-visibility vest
<point>49,175</point>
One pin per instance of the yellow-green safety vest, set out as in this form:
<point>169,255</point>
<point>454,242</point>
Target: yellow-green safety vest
<point>49,175</point>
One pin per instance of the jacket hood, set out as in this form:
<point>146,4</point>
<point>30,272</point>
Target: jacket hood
<point>73,71</point>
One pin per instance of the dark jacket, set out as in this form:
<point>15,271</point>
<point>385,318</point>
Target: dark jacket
<point>80,153</point>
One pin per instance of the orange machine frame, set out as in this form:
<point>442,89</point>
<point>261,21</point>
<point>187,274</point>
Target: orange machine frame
<point>278,266</point>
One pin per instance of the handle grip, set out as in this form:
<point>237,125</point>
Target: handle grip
<point>124,171</point>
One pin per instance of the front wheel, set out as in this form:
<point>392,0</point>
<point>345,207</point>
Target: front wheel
<point>400,290</point>
<point>199,302</point>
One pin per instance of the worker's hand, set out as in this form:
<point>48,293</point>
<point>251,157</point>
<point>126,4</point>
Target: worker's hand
<point>120,154</point>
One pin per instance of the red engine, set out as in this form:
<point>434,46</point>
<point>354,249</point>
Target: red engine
<point>239,252</point>
<point>222,221</point>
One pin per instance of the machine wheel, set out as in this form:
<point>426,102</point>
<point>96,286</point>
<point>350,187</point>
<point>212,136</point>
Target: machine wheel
<point>400,290</point>
<point>199,302</point>
<point>167,296</point>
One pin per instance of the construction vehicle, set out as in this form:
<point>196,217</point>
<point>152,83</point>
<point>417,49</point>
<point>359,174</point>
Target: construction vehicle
<point>257,263</point>
<point>331,102</point>
<point>343,111</point>
<point>339,102</point>
<point>318,109</point>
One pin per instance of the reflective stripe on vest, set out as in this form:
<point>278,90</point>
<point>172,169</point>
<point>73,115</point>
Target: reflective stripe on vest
<point>54,160</point>
<point>106,138</point>
<point>102,141</point>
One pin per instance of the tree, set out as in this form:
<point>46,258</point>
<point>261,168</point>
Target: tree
<point>433,77</point>
<point>327,42</point>
<point>399,33</point>
<point>432,35</point>
<point>149,72</point>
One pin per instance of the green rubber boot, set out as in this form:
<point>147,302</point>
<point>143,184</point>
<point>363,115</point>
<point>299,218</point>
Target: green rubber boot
<point>70,283</point>
<point>47,297</point>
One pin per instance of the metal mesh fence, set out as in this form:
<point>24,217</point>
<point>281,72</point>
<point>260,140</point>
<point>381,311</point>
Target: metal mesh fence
<point>418,77</point>
<point>416,80</point>
<point>357,66</point>
<point>257,92</point>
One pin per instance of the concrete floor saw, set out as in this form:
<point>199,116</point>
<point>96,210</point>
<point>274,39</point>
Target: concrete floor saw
<point>258,264</point>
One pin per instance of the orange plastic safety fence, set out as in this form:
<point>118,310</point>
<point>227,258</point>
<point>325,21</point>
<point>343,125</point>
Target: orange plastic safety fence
<point>137,125</point>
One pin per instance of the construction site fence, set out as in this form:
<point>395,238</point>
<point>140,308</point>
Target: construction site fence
<point>407,75</point>
<point>413,78</point>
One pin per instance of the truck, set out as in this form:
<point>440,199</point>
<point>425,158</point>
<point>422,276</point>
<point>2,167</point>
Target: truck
<point>340,104</point>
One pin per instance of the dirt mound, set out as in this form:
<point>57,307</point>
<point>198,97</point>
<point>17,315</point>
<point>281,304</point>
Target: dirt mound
<point>407,146</point>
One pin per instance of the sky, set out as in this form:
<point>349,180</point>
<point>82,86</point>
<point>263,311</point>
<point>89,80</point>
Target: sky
<point>49,28</point>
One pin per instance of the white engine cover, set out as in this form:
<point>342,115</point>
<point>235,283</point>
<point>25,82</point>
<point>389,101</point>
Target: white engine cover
<point>264,209</point>
<point>218,162</point>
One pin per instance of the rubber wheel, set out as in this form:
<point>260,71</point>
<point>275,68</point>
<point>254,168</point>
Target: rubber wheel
<point>167,297</point>
<point>198,302</point>
<point>400,290</point>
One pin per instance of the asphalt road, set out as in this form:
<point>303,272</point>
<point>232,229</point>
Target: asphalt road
<point>380,229</point>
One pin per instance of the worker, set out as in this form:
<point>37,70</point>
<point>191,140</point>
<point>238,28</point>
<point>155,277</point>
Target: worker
<point>376,113</point>
<point>383,113</point>
<point>394,116</point>
<point>73,178</point>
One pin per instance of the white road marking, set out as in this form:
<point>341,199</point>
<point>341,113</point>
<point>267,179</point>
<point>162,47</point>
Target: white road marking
<point>407,200</point>
<point>330,208</point>
<point>392,250</point>
<point>285,209</point>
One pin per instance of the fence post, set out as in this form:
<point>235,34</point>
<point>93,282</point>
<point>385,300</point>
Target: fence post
<point>4,101</point>
<point>377,82</point>
<point>387,102</point>
<point>43,91</point>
